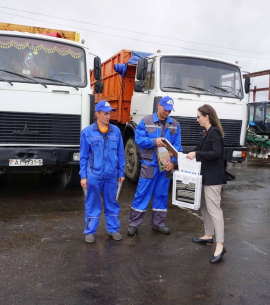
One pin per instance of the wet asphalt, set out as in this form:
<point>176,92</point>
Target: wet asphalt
<point>44,259</point>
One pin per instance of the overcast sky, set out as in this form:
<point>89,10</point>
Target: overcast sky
<point>234,30</point>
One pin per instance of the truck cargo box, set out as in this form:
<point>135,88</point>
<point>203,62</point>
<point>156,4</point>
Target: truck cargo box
<point>118,90</point>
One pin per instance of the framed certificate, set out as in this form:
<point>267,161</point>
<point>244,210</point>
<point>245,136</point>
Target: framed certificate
<point>170,148</point>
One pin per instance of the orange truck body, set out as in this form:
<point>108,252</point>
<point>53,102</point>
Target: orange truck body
<point>117,90</point>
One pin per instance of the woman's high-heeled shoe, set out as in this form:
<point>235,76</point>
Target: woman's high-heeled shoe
<point>203,241</point>
<point>216,259</point>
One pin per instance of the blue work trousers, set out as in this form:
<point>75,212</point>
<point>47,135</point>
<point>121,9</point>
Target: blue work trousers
<point>158,187</point>
<point>93,204</point>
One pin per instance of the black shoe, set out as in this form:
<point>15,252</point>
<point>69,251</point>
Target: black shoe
<point>203,241</point>
<point>163,230</point>
<point>132,231</point>
<point>216,259</point>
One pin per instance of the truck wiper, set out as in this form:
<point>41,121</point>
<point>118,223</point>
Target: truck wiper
<point>182,89</point>
<point>23,76</point>
<point>224,90</point>
<point>56,81</point>
<point>4,80</point>
<point>203,90</point>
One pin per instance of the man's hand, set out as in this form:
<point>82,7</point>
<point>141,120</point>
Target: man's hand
<point>191,155</point>
<point>121,179</point>
<point>169,167</point>
<point>160,143</point>
<point>84,183</point>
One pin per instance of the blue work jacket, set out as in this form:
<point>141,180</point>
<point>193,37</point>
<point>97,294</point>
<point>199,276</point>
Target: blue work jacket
<point>151,128</point>
<point>102,155</point>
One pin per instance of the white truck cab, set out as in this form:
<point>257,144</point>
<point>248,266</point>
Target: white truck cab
<point>193,81</point>
<point>45,102</point>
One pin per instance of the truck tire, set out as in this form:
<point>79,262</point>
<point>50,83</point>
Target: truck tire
<point>133,161</point>
<point>73,178</point>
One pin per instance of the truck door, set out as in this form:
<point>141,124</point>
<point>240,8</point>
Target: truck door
<point>142,102</point>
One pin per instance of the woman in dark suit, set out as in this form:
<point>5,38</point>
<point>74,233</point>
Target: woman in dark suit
<point>210,153</point>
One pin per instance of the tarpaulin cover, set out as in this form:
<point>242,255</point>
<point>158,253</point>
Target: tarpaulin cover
<point>135,55</point>
<point>140,54</point>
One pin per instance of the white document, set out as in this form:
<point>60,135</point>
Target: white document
<point>188,166</point>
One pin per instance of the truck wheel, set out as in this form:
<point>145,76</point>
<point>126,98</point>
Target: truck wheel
<point>133,161</point>
<point>72,176</point>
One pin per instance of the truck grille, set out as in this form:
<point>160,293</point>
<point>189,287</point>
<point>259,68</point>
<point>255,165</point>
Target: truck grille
<point>191,131</point>
<point>39,128</point>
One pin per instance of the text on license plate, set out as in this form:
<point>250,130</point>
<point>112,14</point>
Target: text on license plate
<point>27,162</point>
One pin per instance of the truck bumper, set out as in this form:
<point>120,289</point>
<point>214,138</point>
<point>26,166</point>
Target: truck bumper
<point>231,154</point>
<point>54,158</point>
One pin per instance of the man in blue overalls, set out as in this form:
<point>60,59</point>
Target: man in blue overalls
<point>149,134</point>
<point>102,165</point>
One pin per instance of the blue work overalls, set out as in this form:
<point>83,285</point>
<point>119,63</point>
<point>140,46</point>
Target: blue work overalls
<point>152,181</point>
<point>102,162</point>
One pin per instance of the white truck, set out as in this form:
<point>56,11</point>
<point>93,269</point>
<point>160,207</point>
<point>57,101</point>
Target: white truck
<point>191,81</point>
<point>45,102</point>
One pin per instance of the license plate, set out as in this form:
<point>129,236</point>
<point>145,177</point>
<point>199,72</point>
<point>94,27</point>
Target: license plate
<point>27,162</point>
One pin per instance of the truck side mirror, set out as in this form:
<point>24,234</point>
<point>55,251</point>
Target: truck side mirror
<point>98,86</point>
<point>97,68</point>
<point>142,69</point>
<point>139,86</point>
<point>247,83</point>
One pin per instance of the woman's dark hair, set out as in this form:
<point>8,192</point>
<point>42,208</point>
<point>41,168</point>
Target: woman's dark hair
<point>213,118</point>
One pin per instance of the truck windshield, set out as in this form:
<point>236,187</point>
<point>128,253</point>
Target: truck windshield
<point>268,113</point>
<point>47,60</point>
<point>207,77</point>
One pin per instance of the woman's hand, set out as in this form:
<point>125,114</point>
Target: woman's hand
<point>191,155</point>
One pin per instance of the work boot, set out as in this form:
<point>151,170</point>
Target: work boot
<point>132,231</point>
<point>116,236</point>
<point>163,230</point>
<point>90,238</point>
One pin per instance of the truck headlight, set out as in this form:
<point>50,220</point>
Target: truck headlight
<point>237,154</point>
<point>76,156</point>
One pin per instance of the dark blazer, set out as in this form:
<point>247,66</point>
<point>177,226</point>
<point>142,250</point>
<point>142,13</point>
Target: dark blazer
<point>210,153</point>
